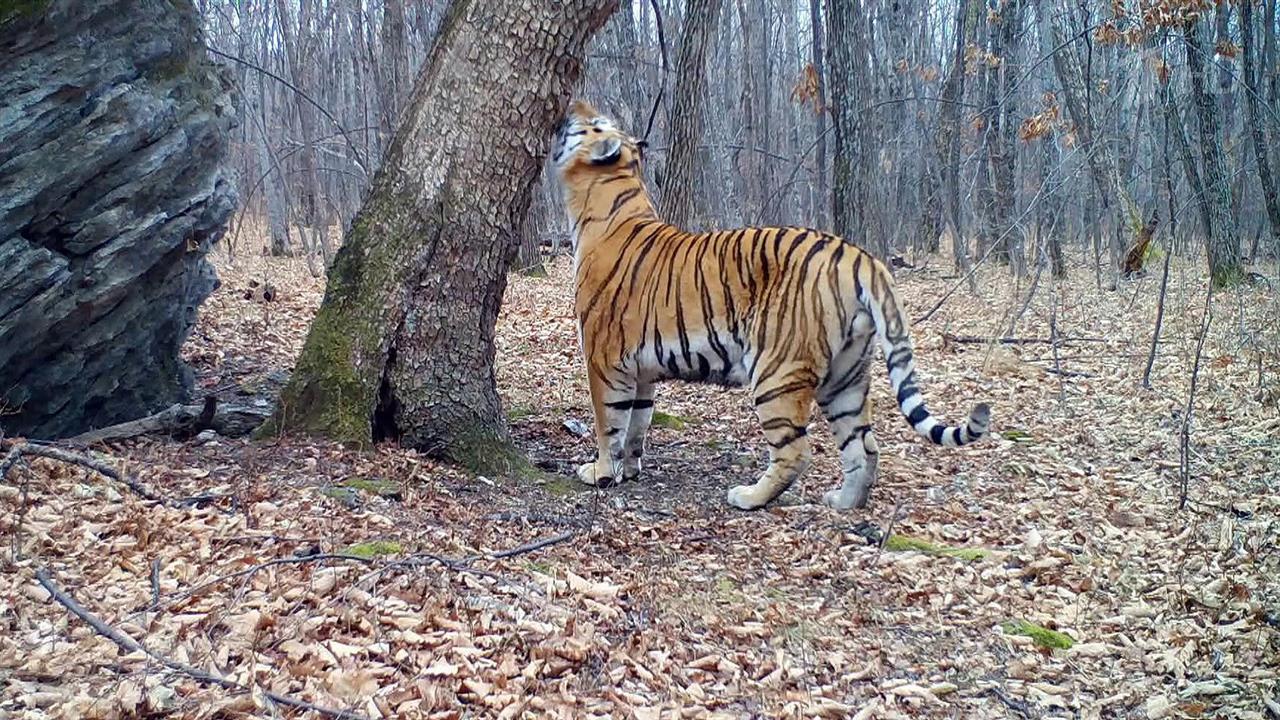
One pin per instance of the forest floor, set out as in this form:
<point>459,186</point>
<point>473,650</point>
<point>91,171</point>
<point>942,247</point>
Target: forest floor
<point>388,585</point>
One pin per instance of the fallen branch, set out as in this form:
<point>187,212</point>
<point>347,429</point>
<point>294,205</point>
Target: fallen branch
<point>888,530</point>
<point>1012,703</point>
<point>976,340</point>
<point>536,545</point>
<point>1068,373</point>
<point>226,420</point>
<point>1184,435</point>
<point>128,644</point>
<point>20,449</point>
<point>417,560</point>
<point>1155,334</point>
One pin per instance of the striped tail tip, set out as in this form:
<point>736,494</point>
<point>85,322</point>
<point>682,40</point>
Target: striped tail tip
<point>976,428</point>
<point>979,420</point>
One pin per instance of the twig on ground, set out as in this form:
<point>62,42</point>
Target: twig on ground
<point>888,530</point>
<point>1053,335</point>
<point>249,572</point>
<point>246,574</point>
<point>1184,444</point>
<point>128,644</point>
<point>1068,373</point>
<point>975,340</point>
<point>536,518</point>
<point>1012,703</point>
<point>155,582</point>
<point>536,545</point>
<point>1155,334</point>
<point>52,453</point>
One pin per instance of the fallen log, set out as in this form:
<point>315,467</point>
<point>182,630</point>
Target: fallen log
<point>184,420</point>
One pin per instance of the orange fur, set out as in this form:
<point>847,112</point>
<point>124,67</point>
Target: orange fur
<point>789,312</point>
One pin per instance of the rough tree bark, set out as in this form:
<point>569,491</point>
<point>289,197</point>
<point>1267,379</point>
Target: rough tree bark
<point>402,345</point>
<point>1001,150</point>
<point>848,85</point>
<point>114,185</point>
<point>1223,243</point>
<point>685,120</point>
<point>1258,121</point>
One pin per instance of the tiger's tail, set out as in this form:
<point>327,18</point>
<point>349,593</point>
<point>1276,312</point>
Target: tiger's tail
<point>880,297</point>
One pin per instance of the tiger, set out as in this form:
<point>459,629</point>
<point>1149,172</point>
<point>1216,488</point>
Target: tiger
<point>790,312</point>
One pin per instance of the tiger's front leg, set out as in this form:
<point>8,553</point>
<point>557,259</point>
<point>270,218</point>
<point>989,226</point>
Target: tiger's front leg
<point>637,430</point>
<point>612,399</point>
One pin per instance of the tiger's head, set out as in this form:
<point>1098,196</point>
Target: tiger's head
<point>588,143</point>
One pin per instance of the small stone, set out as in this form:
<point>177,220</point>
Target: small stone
<point>1157,707</point>
<point>35,592</point>
<point>206,436</point>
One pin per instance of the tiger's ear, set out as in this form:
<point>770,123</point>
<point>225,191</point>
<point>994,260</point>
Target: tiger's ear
<point>642,146</point>
<point>606,151</point>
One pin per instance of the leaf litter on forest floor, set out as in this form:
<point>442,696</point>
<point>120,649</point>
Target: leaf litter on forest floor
<point>663,602</point>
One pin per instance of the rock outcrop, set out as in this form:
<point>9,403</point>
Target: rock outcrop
<point>114,185</point>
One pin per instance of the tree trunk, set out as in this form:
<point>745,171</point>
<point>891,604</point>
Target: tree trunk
<point>984,187</point>
<point>1223,243</point>
<point>1174,120</point>
<point>1258,121</point>
<point>685,120</point>
<point>949,142</point>
<point>115,185</point>
<point>393,67</point>
<point>846,65</point>
<point>820,152</point>
<point>309,202</point>
<point>402,345</point>
<point>1099,155</point>
<point>1002,149</point>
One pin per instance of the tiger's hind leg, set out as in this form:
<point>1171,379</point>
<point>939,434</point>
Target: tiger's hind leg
<point>849,414</point>
<point>783,403</point>
<point>637,429</point>
<point>612,399</point>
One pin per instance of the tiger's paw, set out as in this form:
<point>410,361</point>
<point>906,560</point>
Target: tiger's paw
<point>840,500</point>
<point>587,476</point>
<point>744,497</point>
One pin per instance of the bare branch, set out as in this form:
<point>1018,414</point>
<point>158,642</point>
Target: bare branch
<point>128,644</point>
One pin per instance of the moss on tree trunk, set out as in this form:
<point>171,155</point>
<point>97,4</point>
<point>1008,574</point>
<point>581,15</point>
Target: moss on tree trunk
<point>402,346</point>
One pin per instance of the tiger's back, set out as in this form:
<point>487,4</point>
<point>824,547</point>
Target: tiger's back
<point>790,312</point>
<point>701,307</point>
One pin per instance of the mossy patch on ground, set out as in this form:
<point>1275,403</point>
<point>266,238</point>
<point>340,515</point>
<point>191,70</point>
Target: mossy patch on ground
<point>726,588</point>
<point>1042,636</point>
<point>905,543</point>
<point>540,567</point>
<point>349,491</point>
<point>483,452</point>
<point>667,420</point>
<point>374,486</point>
<point>345,495</point>
<point>1015,435</point>
<point>374,548</point>
<point>520,412</point>
<point>557,486</point>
